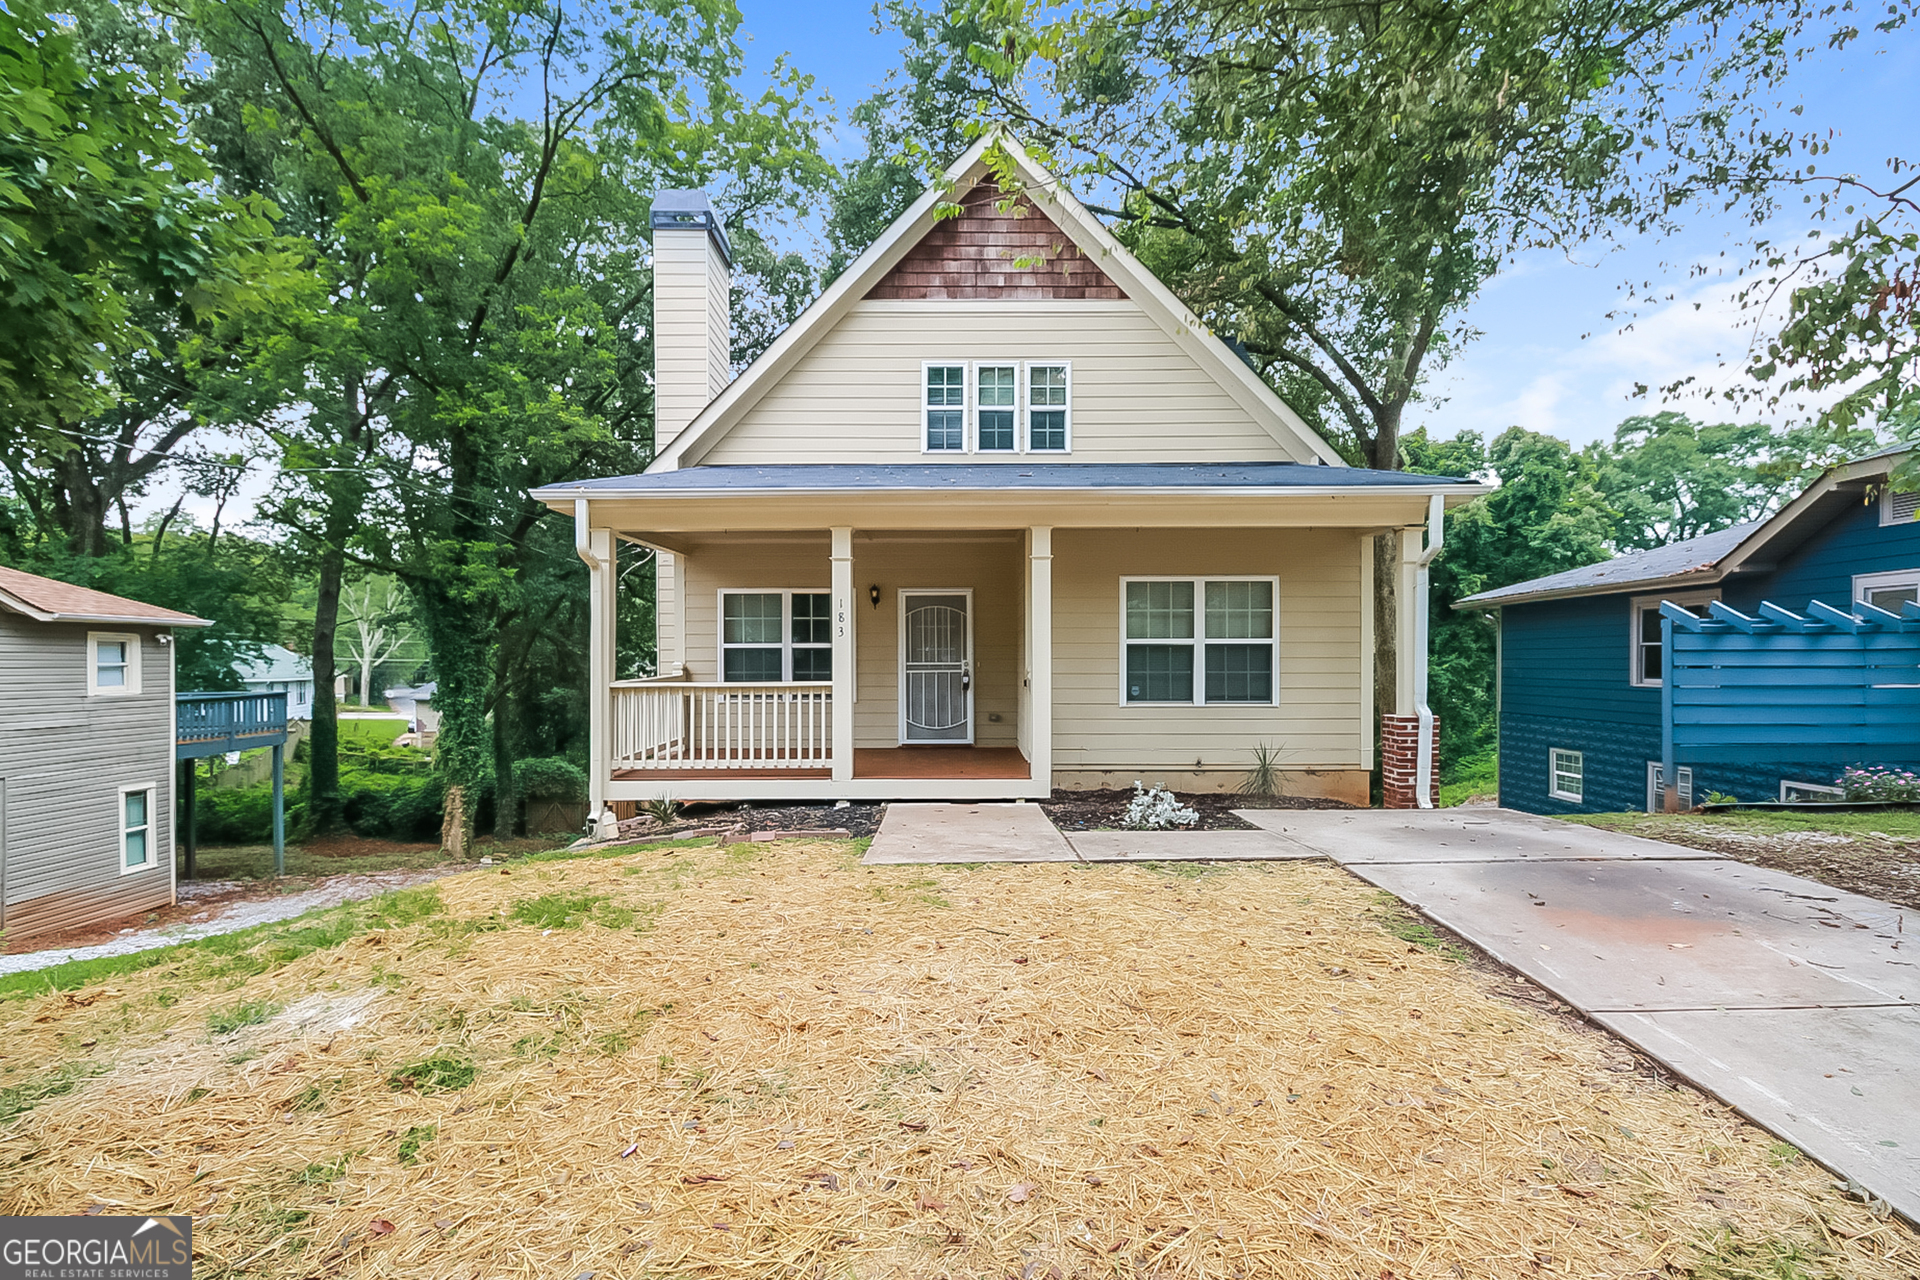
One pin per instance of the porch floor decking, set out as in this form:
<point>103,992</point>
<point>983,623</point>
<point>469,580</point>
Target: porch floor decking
<point>933,762</point>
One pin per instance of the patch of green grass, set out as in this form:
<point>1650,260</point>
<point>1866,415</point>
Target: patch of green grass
<point>438,1074</point>
<point>248,1013</point>
<point>1726,1256</point>
<point>1899,823</point>
<point>28,1094</point>
<point>1477,775</point>
<point>1181,870</point>
<point>242,954</point>
<point>571,910</point>
<point>1393,916</point>
<point>311,1098</point>
<point>413,1139</point>
<point>378,732</point>
<point>320,1173</point>
<point>1783,1154</point>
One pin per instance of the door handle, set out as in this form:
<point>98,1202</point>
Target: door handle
<point>966,676</point>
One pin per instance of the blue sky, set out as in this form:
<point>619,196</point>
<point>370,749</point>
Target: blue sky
<point>1550,359</point>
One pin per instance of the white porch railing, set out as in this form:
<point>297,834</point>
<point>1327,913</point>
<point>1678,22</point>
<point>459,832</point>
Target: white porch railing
<point>674,724</point>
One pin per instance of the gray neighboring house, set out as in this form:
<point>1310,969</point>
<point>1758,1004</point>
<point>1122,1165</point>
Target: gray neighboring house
<point>280,670</point>
<point>87,742</point>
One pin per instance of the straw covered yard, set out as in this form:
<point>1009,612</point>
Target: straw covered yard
<point>769,1061</point>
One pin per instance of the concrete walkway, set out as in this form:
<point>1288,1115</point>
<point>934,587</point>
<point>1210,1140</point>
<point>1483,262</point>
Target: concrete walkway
<point>968,833</point>
<point>1795,1003</point>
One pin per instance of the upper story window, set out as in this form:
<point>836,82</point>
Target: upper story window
<point>999,387</point>
<point>1649,654</point>
<point>946,406</point>
<point>1047,407</point>
<point>996,407</point>
<point>1198,640</point>
<point>772,636</point>
<point>113,664</point>
<point>1888,590</point>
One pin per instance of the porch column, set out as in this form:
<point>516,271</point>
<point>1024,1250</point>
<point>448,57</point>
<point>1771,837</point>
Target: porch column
<point>1406,638</point>
<point>596,548</point>
<point>1040,653</point>
<point>843,659</point>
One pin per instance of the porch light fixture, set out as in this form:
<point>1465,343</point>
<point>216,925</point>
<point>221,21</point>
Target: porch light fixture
<point>873,594</point>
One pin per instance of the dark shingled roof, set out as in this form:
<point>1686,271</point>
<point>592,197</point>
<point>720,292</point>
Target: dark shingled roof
<point>1636,568</point>
<point>855,477</point>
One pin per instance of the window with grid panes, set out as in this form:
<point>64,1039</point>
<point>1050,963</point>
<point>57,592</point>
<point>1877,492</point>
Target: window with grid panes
<point>998,389</point>
<point>946,406</point>
<point>1220,629</point>
<point>771,636</point>
<point>1046,407</point>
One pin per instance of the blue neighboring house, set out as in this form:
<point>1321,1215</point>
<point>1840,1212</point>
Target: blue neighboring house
<point>1580,653</point>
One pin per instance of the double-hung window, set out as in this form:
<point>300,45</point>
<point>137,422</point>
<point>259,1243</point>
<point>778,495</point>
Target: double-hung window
<point>998,390</point>
<point>772,636</point>
<point>1198,640</point>
<point>1649,656</point>
<point>1047,408</point>
<point>136,828</point>
<point>946,406</point>
<point>113,664</point>
<point>1567,774</point>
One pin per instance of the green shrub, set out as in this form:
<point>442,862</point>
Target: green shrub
<point>234,815</point>
<point>550,778</point>
<point>396,806</point>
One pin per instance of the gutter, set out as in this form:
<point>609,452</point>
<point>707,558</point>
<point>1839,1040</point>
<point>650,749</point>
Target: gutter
<point>1471,490</point>
<point>1423,607</point>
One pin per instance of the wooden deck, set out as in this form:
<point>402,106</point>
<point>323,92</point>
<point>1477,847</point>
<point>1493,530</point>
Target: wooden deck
<point>871,762</point>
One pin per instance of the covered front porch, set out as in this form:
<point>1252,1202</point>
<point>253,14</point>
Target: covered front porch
<point>839,664</point>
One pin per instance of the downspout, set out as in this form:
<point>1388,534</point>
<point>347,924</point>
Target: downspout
<point>1436,536</point>
<point>582,547</point>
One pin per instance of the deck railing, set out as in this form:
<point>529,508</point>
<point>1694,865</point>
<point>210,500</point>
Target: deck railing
<point>209,723</point>
<point>674,724</point>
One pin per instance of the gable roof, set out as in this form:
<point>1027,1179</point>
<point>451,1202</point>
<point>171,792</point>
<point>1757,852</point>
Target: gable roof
<point>1121,269</point>
<point>275,663</point>
<point>48,600</point>
<point>1712,557</point>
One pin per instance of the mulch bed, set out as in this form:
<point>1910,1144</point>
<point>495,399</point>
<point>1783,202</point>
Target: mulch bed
<point>860,820</point>
<point>1101,810</point>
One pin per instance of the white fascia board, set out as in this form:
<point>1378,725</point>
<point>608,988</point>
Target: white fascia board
<point>1879,465</point>
<point>562,499</point>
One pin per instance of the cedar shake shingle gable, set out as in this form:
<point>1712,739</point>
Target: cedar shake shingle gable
<point>47,600</point>
<point>974,255</point>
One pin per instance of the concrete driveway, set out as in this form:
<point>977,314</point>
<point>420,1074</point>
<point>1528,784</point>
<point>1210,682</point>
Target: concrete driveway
<point>1795,1003</point>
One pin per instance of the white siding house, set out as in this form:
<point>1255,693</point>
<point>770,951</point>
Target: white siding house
<point>996,515</point>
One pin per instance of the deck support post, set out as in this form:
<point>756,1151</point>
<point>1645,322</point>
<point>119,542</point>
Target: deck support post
<point>189,782</point>
<point>1040,654</point>
<point>844,613</point>
<point>279,809</point>
<point>1669,767</point>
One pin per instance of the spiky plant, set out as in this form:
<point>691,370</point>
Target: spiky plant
<point>1264,778</point>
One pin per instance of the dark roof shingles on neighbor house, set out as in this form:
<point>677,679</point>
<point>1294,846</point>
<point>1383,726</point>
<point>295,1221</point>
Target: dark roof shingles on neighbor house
<point>51,601</point>
<point>1636,568</point>
<point>1044,476</point>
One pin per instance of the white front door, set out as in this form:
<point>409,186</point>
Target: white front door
<point>936,666</point>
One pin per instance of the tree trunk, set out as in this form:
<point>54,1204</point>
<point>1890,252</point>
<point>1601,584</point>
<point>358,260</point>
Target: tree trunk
<point>456,824</point>
<point>80,504</point>
<point>366,679</point>
<point>1384,455</point>
<point>506,800</point>
<point>323,745</point>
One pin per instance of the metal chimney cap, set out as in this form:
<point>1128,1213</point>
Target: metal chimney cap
<point>685,210</point>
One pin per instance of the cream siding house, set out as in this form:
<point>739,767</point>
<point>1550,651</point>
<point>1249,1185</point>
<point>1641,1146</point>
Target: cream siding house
<point>996,515</point>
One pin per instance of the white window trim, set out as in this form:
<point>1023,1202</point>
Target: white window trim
<point>1865,582</point>
<point>1888,517</point>
<point>1640,605</point>
<point>152,828</point>
<point>787,645</point>
<point>1553,775</point>
<point>975,408</point>
<point>1655,799</point>
<point>132,686</point>
<point>1811,788</point>
<point>1024,420</point>
<point>1199,641</point>
<point>966,406</point>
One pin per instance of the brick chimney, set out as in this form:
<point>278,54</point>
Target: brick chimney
<point>692,311</point>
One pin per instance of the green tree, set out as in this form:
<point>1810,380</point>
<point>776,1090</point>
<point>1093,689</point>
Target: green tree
<point>473,181</point>
<point>1334,184</point>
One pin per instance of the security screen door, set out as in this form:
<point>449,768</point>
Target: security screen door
<point>936,667</point>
